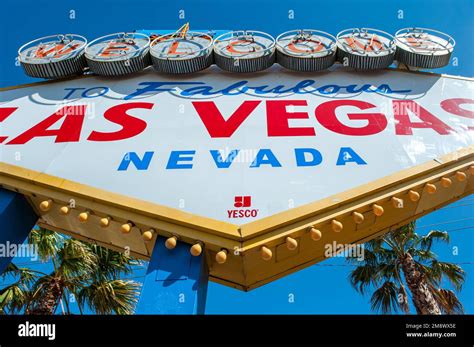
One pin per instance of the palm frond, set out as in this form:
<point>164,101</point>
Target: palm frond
<point>422,255</point>
<point>386,255</point>
<point>13,298</point>
<point>111,296</point>
<point>426,241</point>
<point>388,271</point>
<point>364,277</point>
<point>10,270</point>
<point>402,237</point>
<point>448,301</point>
<point>47,241</point>
<point>76,259</point>
<point>111,264</point>
<point>385,298</point>
<point>89,272</point>
<point>40,286</point>
<point>23,275</point>
<point>383,258</point>
<point>453,273</point>
<point>375,253</point>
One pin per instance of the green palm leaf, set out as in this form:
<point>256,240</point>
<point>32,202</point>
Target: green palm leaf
<point>448,301</point>
<point>364,277</point>
<point>13,298</point>
<point>111,296</point>
<point>402,254</point>
<point>438,270</point>
<point>435,235</point>
<point>385,298</point>
<point>111,264</point>
<point>88,272</point>
<point>47,241</point>
<point>76,259</point>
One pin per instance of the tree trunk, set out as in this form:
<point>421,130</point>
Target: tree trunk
<point>423,299</point>
<point>47,303</point>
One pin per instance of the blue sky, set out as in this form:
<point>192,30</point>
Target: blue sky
<point>322,288</point>
<point>29,19</point>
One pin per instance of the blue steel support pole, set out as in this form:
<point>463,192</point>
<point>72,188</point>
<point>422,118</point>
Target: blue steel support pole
<point>175,282</point>
<point>17,218</point>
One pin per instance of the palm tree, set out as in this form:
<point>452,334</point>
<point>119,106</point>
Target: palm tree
<point>87,272</point>
<point>403,259</point>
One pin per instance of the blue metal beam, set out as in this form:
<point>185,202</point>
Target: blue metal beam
<point>175,282</point>
<point>17,218</point>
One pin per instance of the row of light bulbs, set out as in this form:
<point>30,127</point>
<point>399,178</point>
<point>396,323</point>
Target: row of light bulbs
<point>170,243</point>
<point>265,252</point>
<point>316,234</point>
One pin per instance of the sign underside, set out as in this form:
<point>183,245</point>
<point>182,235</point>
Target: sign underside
<point>239,161</point>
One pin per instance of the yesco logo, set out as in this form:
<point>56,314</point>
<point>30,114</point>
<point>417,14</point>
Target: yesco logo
<point>242,203</point>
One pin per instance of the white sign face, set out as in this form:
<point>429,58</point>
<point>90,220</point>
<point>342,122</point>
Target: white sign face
<point>235,147</point>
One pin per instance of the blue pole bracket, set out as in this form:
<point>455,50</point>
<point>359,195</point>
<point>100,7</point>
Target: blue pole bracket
<point>17,218</point>
<point>175,282</point>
